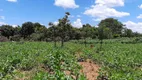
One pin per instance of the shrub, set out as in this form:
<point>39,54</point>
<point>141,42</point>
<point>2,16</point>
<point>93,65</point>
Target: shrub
<point>116,35</point>
<point>36,36</point>
<point>15,38</point>
<point>3,39</point>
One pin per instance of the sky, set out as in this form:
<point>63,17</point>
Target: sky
<point>16,12</point>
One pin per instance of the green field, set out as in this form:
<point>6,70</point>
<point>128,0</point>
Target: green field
<point>42,61</point>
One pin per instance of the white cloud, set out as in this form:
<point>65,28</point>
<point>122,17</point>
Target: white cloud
<point>140,16</point>
<point>110,3</point>
<point>14,26</point>
<point>56,23</point>
<point>66,4</point>
<point>98,19</point>
<point>105,8</point>
<point>2,17</point>
<point>140,6</point>
<point>77,23</point>
<point>2,23</point>
<point>12,0</point>
<point>136,27</point>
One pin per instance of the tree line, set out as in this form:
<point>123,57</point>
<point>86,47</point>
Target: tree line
<point>107,29</point>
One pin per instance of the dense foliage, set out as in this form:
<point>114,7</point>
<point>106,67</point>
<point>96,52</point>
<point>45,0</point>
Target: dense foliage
<point>64,31</point>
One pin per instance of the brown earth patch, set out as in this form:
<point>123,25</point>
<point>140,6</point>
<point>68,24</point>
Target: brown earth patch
<point>90,70</point>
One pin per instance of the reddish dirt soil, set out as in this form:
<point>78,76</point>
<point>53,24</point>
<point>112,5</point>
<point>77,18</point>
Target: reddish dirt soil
<point>90,70</point>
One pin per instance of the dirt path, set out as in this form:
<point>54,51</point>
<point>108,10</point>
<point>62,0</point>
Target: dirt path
<point>90,70</point>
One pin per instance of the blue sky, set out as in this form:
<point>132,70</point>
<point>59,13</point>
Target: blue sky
<point>16,12</point>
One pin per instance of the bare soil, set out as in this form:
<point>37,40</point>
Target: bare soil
<point>90,70</point>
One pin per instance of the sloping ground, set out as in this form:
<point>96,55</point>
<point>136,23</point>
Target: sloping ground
<point>90,70</point>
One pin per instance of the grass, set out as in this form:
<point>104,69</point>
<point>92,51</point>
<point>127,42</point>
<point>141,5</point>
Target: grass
<point>118,61</point>
<point>41,60</point>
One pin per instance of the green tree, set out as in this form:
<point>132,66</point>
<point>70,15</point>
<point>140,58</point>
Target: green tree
<point>64,28</point>
<point>127,32</point>
<point>17,30</point>
<point>88,32</point>
<point>113,24</point>
<point>76,34</point>
<point>7,30</point>
<point>27,29</point>
<point>103,33</point>
<point>136,34</point>
<point>38,28</point>
<point>54,32</point>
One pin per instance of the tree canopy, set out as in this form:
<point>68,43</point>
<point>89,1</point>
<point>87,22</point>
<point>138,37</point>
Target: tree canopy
<point>7,30</point>
<point>64,31</point>
<point>27,29</point>
<point>113,24</point>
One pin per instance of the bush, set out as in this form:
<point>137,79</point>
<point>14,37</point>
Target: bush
<point>36,37</point>
<point>116,35</point>
<point>138,40</point>
<point>3,39</point>
<point>16,38</point>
